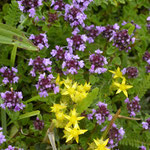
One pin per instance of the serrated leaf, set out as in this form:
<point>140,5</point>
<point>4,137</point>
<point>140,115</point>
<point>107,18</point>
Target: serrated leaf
<point>85,103</point>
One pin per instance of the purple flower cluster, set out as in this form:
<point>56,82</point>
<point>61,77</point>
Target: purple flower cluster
<point>133,106</point>
<point>82,4</point>
<point>13,148</point>
<point>52,17</point>
<point>131,72</point>
<point>29,6</point>
<point>12,100</point>
<point>142,148</point>
<point>59,53</point>
<point>93,32</point>
<point>77,41</point>
<point>9,75</point>
<point>109,31</point>
<point>46,84</point>
<point>115,135</point>
<point>58,5</point>
<point>2,137</point>
<point>100,114</point>
<point>122,40</point>
<point>40,65</point>
<point>40,41</point>
<point>146,125</point>
<point>148,23</point>
<point>74,15</point>
<point>38,124</point>
<point>72,64</point>
<point>97,62</point>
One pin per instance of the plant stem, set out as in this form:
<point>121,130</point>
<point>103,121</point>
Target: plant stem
<point>111,123</point>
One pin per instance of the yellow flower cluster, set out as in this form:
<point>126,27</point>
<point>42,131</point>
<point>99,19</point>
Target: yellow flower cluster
<point>98,144</point>
<point>76,91</point>
<point>67,117</point>
<point>68,122</point>
<point>121,87</point>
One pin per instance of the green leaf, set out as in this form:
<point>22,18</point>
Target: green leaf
<point>110,50</point>
<point>37,98</point>
<point>29,114</point>
<point>116,61</point>
<point>11,35</point>
<point>92,79</point>
<point>85,103</point>
<point>13,55</point>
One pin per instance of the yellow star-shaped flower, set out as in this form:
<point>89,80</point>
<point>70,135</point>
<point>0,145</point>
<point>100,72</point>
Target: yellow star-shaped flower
<point>101,145</point>
<point>57,107</point>
<point>122,87</point>
<point>71,133</point>
<point>117,73</point>
<point>73,119</point>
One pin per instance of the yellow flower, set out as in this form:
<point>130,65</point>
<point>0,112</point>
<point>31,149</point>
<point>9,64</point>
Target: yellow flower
<point>58,82</point>
<point>57,107</point>
<point>122,87</point>
<point>87,87</point>
<point>69,90</point>
<point>101,145</point>
<point>117,73</point>
<point>60,116</point>
<point>73,119</point>
<point>67,82</point>
<point>73,133</point>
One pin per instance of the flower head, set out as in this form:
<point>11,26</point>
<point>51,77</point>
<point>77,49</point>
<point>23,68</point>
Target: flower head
<point>101,145</point>
<point>73,119</point>
<point>122,87</point>
<point>117,73</point>
<point>71,133</point>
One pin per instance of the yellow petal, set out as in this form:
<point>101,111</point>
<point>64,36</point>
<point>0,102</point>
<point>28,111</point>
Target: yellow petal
<point>118,91</point>
<point>125,93</point>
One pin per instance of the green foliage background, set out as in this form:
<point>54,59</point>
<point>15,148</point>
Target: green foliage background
<point>100,12</point>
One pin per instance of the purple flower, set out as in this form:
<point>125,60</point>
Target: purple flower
<point>72,64</point>
<point>93,32</point>
<point>115,135</point>
<point>100,114</point>
<point>13,148</point>
<point>58,52</point>
<point>9,75</point>
<point>122,40</point>
<point>52,17</point>
<point>46,84</point>
<point>82,4</point>
<point>38,124</point>
<point>40,40</point>
<point>74,15</point>
<point>58,5</point>
<point>29,6</point>
<point>109,31</point>
<point>2,137</point>
<point>77,41</point>
<point>11,100</point>
<point>142,148</point>
<point>97,62</point>
<point>131,72</point>
<point>146,125</point>
<point>146,56</point>
<point>133,106</point>
<point>40,65</point>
